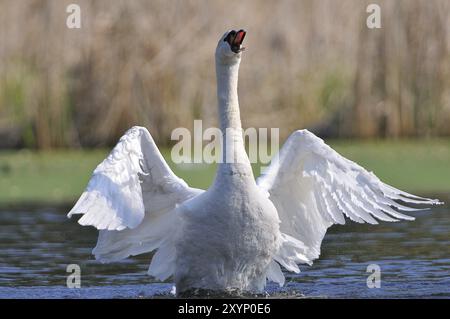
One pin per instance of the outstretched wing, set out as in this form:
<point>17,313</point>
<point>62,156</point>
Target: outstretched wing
<point>131,197</point>
<point>313,187</point>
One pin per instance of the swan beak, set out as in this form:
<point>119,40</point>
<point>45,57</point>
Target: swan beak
<point>235,40</point>
<point>239,38</point>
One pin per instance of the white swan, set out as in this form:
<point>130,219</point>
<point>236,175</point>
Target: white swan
<point>236,234</point>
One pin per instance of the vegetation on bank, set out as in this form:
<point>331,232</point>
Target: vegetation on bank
<point>59,177</point>
<point>311,64</point>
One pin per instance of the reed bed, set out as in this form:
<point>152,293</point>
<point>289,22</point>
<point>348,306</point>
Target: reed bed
<point>308,63</point>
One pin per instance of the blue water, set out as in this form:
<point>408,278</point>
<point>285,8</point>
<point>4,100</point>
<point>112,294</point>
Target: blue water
<point>36,245</point>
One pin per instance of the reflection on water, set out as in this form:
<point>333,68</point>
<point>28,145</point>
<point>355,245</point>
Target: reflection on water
<point>36,247</point>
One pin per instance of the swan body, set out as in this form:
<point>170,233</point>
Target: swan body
<point>236,234</point>
<point>228,237</point>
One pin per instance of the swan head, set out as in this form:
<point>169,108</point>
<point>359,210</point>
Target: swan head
<point>230,47</point>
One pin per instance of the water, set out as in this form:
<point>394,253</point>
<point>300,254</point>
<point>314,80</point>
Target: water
<point>36,245</point>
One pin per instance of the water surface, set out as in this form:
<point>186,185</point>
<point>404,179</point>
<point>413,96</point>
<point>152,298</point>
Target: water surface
<point>36,245</point>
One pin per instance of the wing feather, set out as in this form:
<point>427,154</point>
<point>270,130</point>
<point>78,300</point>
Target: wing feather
<point>313,187</point>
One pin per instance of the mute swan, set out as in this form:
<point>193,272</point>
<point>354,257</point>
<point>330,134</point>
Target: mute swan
<point>236,234</point>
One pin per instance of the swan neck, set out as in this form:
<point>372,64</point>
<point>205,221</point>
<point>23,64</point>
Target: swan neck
<point>227,95</point>
<point>235,165</point>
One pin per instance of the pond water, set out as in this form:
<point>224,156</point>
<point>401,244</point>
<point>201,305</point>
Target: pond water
<point>37,245</point>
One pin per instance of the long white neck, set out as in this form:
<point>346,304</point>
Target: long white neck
<point>227,95</point>
<point>235,165</point>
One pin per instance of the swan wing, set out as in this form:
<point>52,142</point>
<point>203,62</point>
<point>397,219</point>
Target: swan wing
<point>313,187</point>
<point>132,180</point>
<point>131,198</point>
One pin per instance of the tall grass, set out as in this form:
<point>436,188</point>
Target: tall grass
<point>308,64</point>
